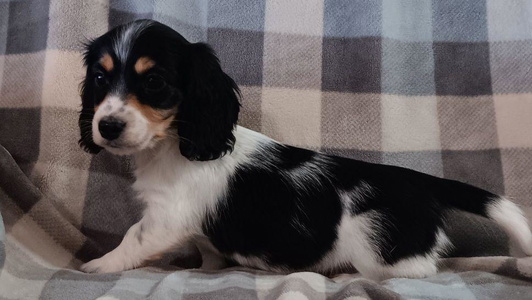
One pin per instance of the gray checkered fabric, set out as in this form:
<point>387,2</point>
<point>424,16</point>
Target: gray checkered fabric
<point>440,86</point>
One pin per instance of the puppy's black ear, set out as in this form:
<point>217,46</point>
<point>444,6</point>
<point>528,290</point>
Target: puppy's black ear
<point>85,117</point>
<point>209,111</point>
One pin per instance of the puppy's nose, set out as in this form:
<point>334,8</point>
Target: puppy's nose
<point>110,128</point>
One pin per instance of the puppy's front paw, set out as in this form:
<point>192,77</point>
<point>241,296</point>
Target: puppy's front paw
<point>102,265</point>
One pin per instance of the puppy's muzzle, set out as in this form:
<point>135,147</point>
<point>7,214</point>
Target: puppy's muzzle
<point>110,128</point>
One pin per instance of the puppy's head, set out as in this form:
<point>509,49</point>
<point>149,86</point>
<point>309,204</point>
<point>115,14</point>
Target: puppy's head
<point>146,83</point>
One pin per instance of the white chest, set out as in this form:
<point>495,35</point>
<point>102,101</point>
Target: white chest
<point>179,192</point>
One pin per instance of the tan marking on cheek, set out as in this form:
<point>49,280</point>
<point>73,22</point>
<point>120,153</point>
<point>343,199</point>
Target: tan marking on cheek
<point>143,64</point>
<point>164,125</point>
<point>153,115</point>
<point>107,62</point>
<point>159,119</point>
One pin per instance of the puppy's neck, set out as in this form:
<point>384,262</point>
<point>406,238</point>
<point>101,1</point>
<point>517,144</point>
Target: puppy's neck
<point>162,150</point>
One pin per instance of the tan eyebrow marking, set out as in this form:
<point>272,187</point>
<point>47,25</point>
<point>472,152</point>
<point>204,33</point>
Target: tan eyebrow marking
<point>143,64</point>
<point>107,62</point>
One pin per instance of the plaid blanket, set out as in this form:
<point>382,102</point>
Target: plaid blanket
<point>441,86</point>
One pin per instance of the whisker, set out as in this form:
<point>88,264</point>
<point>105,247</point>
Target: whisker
<point>180,121</point>
<point>180,138</point>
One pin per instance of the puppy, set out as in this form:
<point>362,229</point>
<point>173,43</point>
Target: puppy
<point>242,196</point>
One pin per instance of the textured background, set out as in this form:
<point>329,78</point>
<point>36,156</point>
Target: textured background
<point>441,86</point>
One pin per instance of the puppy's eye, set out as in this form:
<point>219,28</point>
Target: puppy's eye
<point>100,80</point>
<point>154,83</point>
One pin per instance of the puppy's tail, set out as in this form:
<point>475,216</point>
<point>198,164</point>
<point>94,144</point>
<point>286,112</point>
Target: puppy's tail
<point>497,208</point>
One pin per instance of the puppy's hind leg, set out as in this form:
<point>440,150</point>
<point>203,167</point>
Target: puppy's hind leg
<point>357,242</point>
<point>418,266</point>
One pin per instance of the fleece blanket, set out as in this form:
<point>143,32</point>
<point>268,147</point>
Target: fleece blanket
<point>441,86</point>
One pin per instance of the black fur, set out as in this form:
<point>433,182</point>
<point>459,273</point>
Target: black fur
<point>85,119</point>
<point>209,115</point>
<point>256,217</point>
<point>207,100</point>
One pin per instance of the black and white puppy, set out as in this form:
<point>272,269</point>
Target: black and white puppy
<point>240,195</point>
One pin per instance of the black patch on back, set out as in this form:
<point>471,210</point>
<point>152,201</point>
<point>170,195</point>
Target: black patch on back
<point>265,215</point>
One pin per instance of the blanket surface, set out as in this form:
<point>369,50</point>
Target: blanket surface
<point>441,86</point>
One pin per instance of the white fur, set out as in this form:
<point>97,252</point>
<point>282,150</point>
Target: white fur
<point>255,262</point>
<point>178,193</point>
<point>128,35</point>
<point>309,171</point>
<point>354,248</point>
<point>510,217</point>
<point>360,193</point>
<point>419,266</point>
